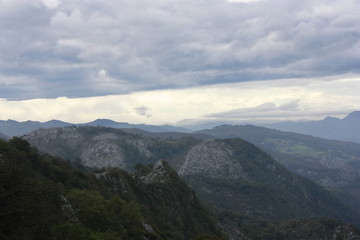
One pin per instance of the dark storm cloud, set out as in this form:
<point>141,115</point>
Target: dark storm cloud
<point>56,48</point>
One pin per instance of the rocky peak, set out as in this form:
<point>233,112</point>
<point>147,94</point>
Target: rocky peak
<point>213,158</point>
<point>156,173</point>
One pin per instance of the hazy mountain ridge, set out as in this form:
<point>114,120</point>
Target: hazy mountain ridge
<point>332,164</point>
<point>251,170</point>
<point>346,129</point>
<point>15,128</point>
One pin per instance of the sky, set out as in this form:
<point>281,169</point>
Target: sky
<point>179,61</point>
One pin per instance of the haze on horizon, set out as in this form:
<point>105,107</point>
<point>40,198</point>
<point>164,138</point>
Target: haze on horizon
<point>160,61</point>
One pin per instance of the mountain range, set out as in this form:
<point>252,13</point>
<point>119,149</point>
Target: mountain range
<point>15,128</point>
<point>46,197</point>
<point>346,129</point>
<point>231,175</point>
<point>248,188</point>
<point>332,164</point>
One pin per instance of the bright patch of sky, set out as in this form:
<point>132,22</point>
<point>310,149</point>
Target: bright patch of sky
<point>236,102</point>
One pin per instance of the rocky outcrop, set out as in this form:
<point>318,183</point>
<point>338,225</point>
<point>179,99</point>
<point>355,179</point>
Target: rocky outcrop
<point>346,232</point>
<point>213,158</point>
<point>156,173</point>
<point>103,153</point>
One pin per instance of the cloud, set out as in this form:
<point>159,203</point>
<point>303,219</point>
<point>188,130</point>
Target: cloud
<point>285,99</point>
<point>149,45</point>
<point>143,111</point>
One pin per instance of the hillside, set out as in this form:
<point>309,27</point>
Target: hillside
<point>229,174</point>
<point>105,147</point>
<point>45,197</point>
<point>236,176</point>
<point>346,129</point>
<point>332,164</point>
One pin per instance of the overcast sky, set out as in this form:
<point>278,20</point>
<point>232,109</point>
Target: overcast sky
<point>163,61</point>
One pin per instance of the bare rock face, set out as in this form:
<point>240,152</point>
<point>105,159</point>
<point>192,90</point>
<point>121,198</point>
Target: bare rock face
<point>95,147</point>
<point>331,161</point>
<point>212,158</point>
<point>157,173</point>
<point>103,154</point>
<point>346,232</point>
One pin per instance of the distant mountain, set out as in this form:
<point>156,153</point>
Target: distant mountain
<point>15,128</point>
<point>346,129</point>
<point>145,127</point>
<point>3,136</point>
<point>166,135</point>
<point>196,125</point>
<point>229,174</point>
<point>330,163</point>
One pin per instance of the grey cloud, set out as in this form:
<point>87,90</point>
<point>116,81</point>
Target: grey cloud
<point>142,111</point>
<point>158,44</point>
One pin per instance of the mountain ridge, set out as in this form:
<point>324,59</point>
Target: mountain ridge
<point>346,129</point>
<point>331,163</point>
<point>252,171</point>
<point>15,128</point>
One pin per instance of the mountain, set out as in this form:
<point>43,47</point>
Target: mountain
<point>236,176</point>
<point>14,128</point>
<point>229,174</point>
<point>165,135</point>
<point>346,129</point>
<point>100,147</point>
<point>332,164</point>
<point>45,197</point>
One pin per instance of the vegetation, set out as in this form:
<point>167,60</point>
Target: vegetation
<point>45,197</point>
<point>330,163</point>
